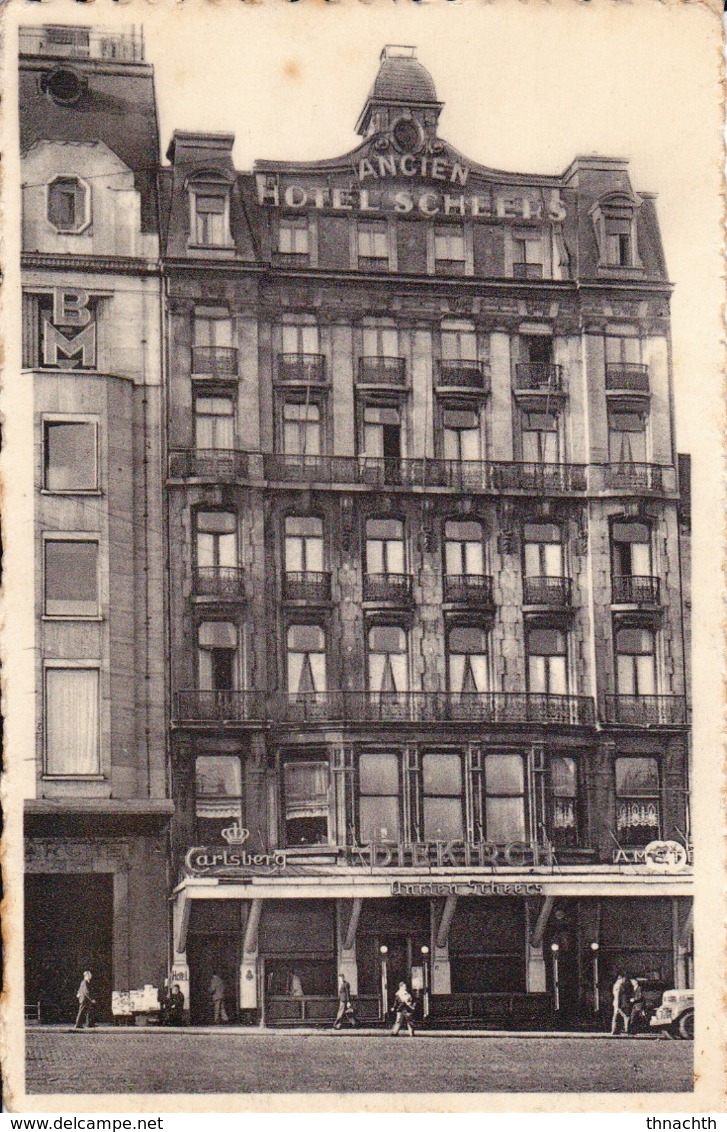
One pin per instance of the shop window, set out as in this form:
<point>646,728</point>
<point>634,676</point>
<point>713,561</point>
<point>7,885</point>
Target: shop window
<point>527,254</point>
<point>547,662</point>
<point>69,205</point>
<point>467,659</point>
<point>382,432</point>
<point>214,422</point>
<point>218,791</point>
<point>216,539</point>
<point>303,544</point>
<point>373,245</point>
<point>564,801</point>
<point>542,550</point>
<point>305,787</point>
<point>306,660</point>
<point>70,460</point>
<point>638,815</point>
<point>388,660</point>
<point>461,434</point>
<point>71,577</point>
<point>463,549</point>
<point>449,250</point>
<point>378,797</point>
<point>630,549</point>
<point>504,798</point>
<point>442,796</point>
<point>626,437</point>
<point>217,651</point>
<point>384,546</point>
<point>540,440</point>
<point>301,428</point>
<point>294,238</point>
<point>635,662</point>
<point>72,746</point>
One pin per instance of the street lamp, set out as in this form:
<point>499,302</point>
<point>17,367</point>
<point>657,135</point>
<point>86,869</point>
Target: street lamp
<point>555,948</point>
<point>384,951</point>
<point>425,967</point>
<point>596,991</point>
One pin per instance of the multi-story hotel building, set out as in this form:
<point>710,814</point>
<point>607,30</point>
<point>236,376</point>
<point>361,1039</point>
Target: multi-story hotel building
<point>97,798</point>
<point>425,603</point>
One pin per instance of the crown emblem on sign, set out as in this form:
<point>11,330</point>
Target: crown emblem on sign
<point>235,835</point>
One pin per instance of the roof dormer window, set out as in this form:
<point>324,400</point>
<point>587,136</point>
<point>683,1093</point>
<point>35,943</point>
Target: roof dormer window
<point>210,212</point>
<point>615,220</point>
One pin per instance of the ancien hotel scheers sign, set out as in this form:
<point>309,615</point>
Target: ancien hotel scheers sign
<point>447,191</point>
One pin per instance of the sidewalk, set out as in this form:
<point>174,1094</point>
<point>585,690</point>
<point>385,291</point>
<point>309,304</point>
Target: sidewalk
<point>323,1031</point>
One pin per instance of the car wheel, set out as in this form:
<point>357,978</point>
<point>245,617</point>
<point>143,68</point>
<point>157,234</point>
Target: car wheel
<point>686,1024</point>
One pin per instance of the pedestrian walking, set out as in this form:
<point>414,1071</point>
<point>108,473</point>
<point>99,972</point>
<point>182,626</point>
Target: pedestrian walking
<point>217,990</point>
<point>175,1007</point>
<point>637,1012</point>
<point>404,1008</point>
<point>621,1003</point>
<point>86,1002</point>
<point>345,1007</point>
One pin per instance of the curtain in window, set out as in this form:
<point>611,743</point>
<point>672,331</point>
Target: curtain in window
<point>306,789</point>
<point>214,423</point>
<point>216,538</point>
<point>306,660</point>
<point>72,721</point>
<point>504,798</point>
<point>388,668</point>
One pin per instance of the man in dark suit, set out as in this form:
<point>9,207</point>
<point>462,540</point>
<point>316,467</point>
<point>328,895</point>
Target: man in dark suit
<point>85,1002</point>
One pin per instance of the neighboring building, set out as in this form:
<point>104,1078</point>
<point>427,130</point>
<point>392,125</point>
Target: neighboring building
<point>96,850</point>
<point>427,650</point>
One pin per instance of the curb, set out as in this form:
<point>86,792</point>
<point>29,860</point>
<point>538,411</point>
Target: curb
<point>359,1032</point>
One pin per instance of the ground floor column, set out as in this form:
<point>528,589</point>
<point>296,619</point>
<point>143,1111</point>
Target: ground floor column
<point>441,971</point>
<point>535,925</point>
<point>348,917</point>
<point>249,961</point>
<point>180,924</point>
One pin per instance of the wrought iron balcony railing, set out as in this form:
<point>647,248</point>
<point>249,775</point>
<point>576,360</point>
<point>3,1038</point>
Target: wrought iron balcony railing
<point>307,585</point>
<point>387,587</point>
<point>538,377</point>
<point>373,263</point>
<point>462,374</point>
<point>291,259</point>
<point>469,589</point>
<point>383,707</point>
<point>212,464</point>
<point>218,582</point>
<point>304,369</point>
<point>382,371</point>
<point>627,377</point>
<point>214,361</point>
<point>527,271</point>
<point>636,477</point>
<point>645,711</point>
<point>82,43</point>
<point>634,590</point>
<point>554,592</point>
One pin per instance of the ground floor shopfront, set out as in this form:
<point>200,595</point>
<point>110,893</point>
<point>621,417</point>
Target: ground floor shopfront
<point>509,951</point>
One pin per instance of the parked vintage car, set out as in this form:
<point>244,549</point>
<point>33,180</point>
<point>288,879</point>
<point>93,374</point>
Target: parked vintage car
<point>675,1016</point>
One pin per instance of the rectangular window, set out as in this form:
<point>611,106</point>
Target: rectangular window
<point>504,798</point>
<point>303,544</point>
<point>72,721</point>
<point>306,660</point>
<point>461,434</point>
<point>293,239</point>
<point>449,250</point>
<point>218,788</point>
<point>638,817</point>
<point>463,549</point>
<point>373,245</point>
<point>618,242</point>
<point>540,438</point>
<point>635,662</point>
<point>210,229</point>
<point>378,797</point>
<point>622,350</point>
<point>384,546</point>
<point>564,801</point>
<point>217,656</point>
<point>71,578</point>
<point>467,657</point>
<point>527,255</point>
<point>380,341</point>
<point>67,198</point>
<point>459,342</point>
<point>69,456</point>
<point>302,428</point>
<point>382,432</point>
<point>547,662</point>
<point>305,786</point>
<point>442,797</point>
<point>216,538</point>
<point>214,423</point>
<point>212,332</point>
<point>631,550</point>
<point>388,660</point>
<point>300,338</point>
<point>626,437</point>
<point>543,550</point>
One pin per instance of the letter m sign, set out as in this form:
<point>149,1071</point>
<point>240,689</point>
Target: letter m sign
<point>77,348</point>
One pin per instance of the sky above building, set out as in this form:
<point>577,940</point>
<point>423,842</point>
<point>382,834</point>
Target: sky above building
<point>525,87</point>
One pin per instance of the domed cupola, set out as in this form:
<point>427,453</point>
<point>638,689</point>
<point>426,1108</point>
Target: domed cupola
<point>402,103</point>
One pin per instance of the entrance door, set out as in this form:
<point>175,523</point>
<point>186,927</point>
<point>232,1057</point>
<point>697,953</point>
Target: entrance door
<point>403,953</point>
<point>211,954</point>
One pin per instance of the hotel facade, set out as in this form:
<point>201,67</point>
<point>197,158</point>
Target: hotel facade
<point>424,547</point>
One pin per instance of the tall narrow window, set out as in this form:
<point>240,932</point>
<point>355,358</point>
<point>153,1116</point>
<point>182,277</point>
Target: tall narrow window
<point>293,238</point>
<point>442,796</point>
<point>504,798</point>
<point>217,656</point>
<point>622,351</point>
<point>388,659</point>
<point>71,578</point>
<point>213,351</point>
<point>540,438</point>
<point>373,245</point>
<point>637,801</point>
<point>463,549</point>
<point>547,663</point>
<point>564,801</point>
<point>378,797</point>
<point>384,546</point>
<point>306,660</point>
<point>303,544</point>
<point>467,656</point>
<point>631,550</point>
<point>543,550</point>
<point>626,437</point>
<point>459,342</point>
<point>305,789</point>
<point>527,254</point>
<point>210,218</point>
<point>619,250</point>
<point>69,456</point>
<point>72,721</point>
<point>302,428</point>
<point>635,662</point>
<point>380,341</point>
<point>214,422</point>
<point>216,537</point>
<point>461,434</point>
<point>449,250</point>
<point>218,790</point>
<point>382,432</point>
<point>300,338</point>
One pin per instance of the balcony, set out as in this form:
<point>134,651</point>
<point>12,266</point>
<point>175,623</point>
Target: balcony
<point>469,589</point>
<point>307,586</point>
<point>645,711</point>
<point>538,377</point>
<point>223,582</point>
<point>627,378</point>
<point>291,259</point>
<point>527,270</point>
<point>225,465</point>
<point>387,588</point>
<point>463,375</point>
<point>373,263</point>
<point>82,43</point>
<point>214,361</point>
<point>301,369</point>
<point>634,590</point>
<point>383,707</point>
<point>552,592</point>
<point>649,478</point>
<point>382,371</point>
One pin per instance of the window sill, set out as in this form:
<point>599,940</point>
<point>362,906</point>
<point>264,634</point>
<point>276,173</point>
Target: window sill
<point>95,618</point>
<point>74,778</point>
<point>74,491</point>
<point>221,251</point>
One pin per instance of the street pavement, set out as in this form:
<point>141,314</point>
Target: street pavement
<point>254,1061</point>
